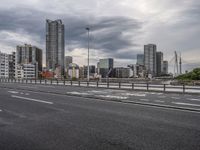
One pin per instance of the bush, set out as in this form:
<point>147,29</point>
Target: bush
<point>193,75</point>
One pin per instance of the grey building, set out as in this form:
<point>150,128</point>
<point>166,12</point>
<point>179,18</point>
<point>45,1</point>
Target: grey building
<point>68,60</point>
<point>4,65</point>
<point>106,67</point>
<point>55,45</point>
<point>121,72</point>
<point>159,63</point>
<point>28,54</point>
<point>150,59</point>
<point>92,70</point>
<point>11,59</point>
<point>140,59</point>
<point>165,67</point>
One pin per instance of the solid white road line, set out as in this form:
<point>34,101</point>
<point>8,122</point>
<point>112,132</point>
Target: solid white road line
<point>31,99</point>
<point>0,110</point>
<point>187,104</point>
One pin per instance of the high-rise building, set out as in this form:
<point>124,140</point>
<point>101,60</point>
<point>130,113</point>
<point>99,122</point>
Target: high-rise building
<point>150,59</point>
<point>4,65</point>
<point>106,67</point>
<point>140,59</point>
<point>159,63</point>
<point>165,67</point>
<point>55,45</point>
<point>28,54</point>
<point>11,59</point>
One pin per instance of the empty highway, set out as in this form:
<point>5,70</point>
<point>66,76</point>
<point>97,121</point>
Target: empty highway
<point>39,117</point>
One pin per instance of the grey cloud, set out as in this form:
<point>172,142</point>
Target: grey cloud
<point>106,32</point>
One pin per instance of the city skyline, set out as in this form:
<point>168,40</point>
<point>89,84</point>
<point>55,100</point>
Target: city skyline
<point>118,36</point>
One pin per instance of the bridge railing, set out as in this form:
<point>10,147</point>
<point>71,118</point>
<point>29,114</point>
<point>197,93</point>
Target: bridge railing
<point>111,85</point>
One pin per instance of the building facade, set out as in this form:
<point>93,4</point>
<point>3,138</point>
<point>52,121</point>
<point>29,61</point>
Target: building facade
<point>106,67</point>
<point>150,59</point>
<point>4,65</point>
<point>165,67</point>
<point>92,70</point>
<point>11,59</point>
<point>55,45</point>
<point>68,60</point>
<point>73,71</point>
<point>28,54</point>
<point>121,72</point>
<point>159,63</point>
<point>140,59</point>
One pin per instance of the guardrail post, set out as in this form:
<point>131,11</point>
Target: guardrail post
<point>57,81</point>
<point>45,81</point>
<point>164,88</point>
<point>183,88</point>
<point>107,84</point>
<point>40,81</point>
<point>64,82</point>
<point>119,85</point>
<point>87,83</point>
<point>147,86</point>
<point>132,86</point>
<point>79,83</point>
<point>51,81</point>
<point>97,83</point>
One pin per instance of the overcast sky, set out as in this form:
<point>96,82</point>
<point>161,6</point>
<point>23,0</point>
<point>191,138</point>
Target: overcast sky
<point>119,29</point>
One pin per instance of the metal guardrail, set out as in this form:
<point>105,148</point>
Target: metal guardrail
<point>119,85</point>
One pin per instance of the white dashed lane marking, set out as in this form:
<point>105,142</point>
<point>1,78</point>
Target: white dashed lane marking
<point>13,92</point>
<point>159,101</point>
<point>146,100</point>
<point>193,99</point>
<point>31,99</point>
<point>175,97</point>
<point>0,110</point>
<point>186,104</point>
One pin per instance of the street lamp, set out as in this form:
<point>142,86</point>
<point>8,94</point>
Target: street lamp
<point>88,70</point>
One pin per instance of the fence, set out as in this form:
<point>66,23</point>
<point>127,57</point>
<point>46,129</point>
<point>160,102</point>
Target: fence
<point>119,85</point>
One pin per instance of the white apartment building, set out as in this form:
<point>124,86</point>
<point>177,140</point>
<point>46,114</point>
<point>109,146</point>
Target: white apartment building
<point>26,71</point>
<point>29,71</point>
<point>4,65</point>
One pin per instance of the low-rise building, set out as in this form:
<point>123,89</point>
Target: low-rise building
<point>121,72</point>
<point>73,71</point>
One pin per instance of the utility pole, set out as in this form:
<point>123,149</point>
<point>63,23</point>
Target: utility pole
<point>88,70</point>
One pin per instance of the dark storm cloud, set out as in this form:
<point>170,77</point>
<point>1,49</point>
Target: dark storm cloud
<point>108,34</point>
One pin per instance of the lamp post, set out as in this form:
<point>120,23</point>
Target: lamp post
<point>88,70</point>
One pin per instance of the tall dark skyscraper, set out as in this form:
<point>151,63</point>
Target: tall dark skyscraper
<point>159,63</point>
<point>150,59</point>
<point>55,45</point>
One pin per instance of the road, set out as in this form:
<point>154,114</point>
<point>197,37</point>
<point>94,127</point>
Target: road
<point>38,117</point>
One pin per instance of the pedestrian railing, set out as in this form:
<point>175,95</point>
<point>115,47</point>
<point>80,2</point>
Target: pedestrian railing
<point>111,85</point>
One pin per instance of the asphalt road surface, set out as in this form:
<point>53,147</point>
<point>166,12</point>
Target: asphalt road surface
<point>38,117</point>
